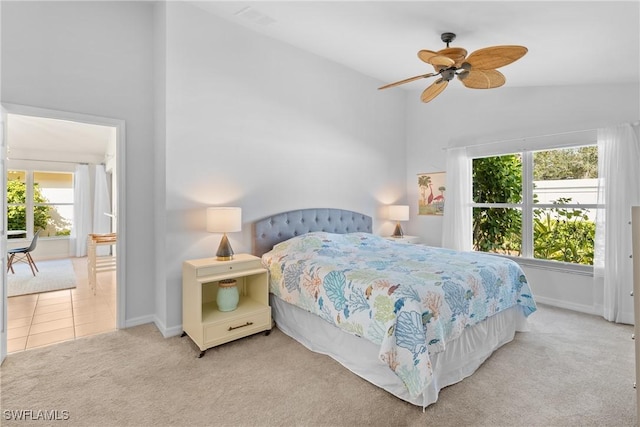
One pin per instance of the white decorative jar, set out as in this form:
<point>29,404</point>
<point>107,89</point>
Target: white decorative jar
<point>228,296</point>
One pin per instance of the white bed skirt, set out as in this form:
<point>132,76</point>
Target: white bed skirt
<point>462,357</point>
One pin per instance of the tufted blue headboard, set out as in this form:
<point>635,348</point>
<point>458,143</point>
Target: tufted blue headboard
<point>278,228</point>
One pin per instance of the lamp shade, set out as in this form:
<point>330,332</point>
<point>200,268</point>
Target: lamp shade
<point>399,212</point>
<point>224,220</point>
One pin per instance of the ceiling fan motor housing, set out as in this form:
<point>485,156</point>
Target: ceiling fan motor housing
<point>448,73</point>
<point>447,38</point>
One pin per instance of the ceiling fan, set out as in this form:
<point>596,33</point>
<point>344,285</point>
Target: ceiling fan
<point>476,71</point>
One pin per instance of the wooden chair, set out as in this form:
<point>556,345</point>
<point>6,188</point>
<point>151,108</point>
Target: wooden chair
<point>96,264</point>
<point>24,255</point>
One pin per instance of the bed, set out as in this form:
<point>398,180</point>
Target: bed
<point>410,319</point>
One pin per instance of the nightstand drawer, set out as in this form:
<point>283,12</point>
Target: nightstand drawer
<point>240,326</point>
<point>404,239</point>
<point>229,267</point>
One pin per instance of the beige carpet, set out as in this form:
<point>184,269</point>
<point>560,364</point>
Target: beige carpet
<point>569,370</point>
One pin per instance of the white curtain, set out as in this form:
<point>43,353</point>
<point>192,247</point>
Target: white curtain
<point>618,190</point>
<point>101,208</point>
<point>457,221</point>
<point>81,210</point>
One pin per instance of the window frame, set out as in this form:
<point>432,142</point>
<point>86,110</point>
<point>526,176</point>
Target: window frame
<point>527,206</point>
<point>30,204</point>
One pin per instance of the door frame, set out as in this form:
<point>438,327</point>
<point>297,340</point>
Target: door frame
<point>3,235</point>
<point>119,125</point>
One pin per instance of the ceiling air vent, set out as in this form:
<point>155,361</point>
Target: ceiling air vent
<point>252,14</point>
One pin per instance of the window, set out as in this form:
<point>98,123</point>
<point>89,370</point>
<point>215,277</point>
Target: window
<point>537,204</point>
<point>38,200</point>
<point>16,204</point>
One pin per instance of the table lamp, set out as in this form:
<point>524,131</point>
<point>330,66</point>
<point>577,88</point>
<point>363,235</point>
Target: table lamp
<point>398,213</point>
<point>224,220</point>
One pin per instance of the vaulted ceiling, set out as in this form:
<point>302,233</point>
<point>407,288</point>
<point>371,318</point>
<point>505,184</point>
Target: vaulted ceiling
<point>569,42</point>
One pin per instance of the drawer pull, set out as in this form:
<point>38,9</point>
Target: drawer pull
<point>231,328</point>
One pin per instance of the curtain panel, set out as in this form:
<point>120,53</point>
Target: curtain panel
<point>618,190</point>
<point>101,208</point>
<point>81,210</point>
<point>457,228</point>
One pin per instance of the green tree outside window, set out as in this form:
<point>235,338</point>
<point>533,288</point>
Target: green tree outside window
<point>560,233</point>
<point>16,210</point>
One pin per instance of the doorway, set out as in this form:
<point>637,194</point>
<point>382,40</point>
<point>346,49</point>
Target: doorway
<point>70,139</point>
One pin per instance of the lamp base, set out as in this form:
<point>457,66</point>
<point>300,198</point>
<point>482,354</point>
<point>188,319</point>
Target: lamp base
<point>398,231</point>
<point>225,253</point>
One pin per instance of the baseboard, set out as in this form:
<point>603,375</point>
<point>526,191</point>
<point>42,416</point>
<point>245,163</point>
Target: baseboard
<point>143,320</point>
<point>588,309</point>
<point>167,332</point>
<point>597,310</point>
<point>137,321</point>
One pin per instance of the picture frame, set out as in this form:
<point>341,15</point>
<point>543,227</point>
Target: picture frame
<point>431,193</point>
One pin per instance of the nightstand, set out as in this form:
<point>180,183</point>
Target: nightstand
<point>404,239</point>
<point>202,321</point>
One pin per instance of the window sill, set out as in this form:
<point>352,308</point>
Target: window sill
<point>40,238</point>
<point>561,267</point>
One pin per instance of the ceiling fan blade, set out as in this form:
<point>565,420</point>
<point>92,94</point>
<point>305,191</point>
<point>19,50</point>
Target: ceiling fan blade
<point>433,90</point>
<point>410,79</point>
<point>425,55</point>
<point>490,58</point>
<point>482,79</point>
<point>440,62</point>
<point>457,54</point>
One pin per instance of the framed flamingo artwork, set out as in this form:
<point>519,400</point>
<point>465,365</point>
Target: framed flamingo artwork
<point>431,193</point>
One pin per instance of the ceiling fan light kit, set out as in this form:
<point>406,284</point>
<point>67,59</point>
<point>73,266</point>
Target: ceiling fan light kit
<point>476,71</point>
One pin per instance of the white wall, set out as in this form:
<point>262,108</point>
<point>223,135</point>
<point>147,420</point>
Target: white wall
<point>463,117</point>
<point>160,83</point>
<point>94,58</point>
<point>248,121</point>
<point>259,124</point>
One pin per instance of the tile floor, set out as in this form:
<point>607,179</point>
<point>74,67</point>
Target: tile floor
<point>42,319</point>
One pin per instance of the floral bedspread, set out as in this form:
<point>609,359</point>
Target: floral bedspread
<point>409,299</point>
